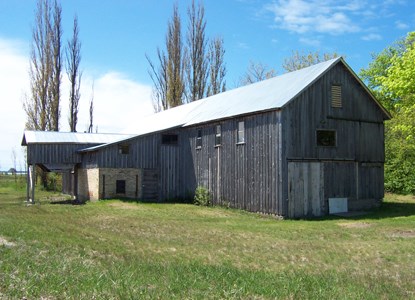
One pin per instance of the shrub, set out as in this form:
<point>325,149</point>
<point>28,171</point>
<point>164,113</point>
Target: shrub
<point>202,196</point>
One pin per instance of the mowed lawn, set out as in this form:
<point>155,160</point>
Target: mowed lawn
<point>126,250</point>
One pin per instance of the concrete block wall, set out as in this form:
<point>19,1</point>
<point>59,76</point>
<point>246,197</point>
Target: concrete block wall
<point>132,177</point>
<point>88,184</point>
<point>95,184</point>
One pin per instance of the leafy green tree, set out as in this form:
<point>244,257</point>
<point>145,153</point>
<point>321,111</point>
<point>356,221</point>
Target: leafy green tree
<point>378,69</point>
<point>391,77</point>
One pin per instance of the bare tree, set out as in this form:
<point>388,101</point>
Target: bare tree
<point>217,68</point>
<point>256,72</point>
<point>299,60</point>
<point>91,112</point>
<point>159,78</point>
<point>196,56</point>
<point>73,59</point>
<point>42,105</point>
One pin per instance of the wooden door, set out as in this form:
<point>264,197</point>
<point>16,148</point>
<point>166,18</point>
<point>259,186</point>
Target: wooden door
<point>305,189</point>
<point>150,185</point>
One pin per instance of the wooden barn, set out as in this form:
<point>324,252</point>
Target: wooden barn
<point>306,143</point>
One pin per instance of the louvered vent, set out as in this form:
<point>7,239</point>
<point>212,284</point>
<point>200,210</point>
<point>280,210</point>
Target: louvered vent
<point>336,96</point>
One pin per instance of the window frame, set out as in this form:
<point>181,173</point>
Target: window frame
<point>332,142</point>
<point>170,139</point>
<point>199,139</point>
<point>124,149</point>
<point>240,134</point>
<point>218,135</point>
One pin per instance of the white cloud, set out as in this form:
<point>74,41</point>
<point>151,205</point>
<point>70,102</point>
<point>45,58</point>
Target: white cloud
<point>118,100</point>
<point>372,37</point>
<point>14,82</point>
<point>401,25</point>
<point>302,16</point>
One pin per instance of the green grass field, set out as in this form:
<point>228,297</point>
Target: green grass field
<point>123,250</point>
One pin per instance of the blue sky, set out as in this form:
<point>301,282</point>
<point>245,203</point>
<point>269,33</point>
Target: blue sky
<point>116,35</point>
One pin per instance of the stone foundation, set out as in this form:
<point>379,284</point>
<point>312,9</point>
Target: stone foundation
<point>95,184</point>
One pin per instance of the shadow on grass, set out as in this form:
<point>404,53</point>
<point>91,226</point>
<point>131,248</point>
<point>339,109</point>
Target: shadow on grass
<point>67,202</point>
<point>391,210</point>
<point>152,201</point>
<point>386,210</point>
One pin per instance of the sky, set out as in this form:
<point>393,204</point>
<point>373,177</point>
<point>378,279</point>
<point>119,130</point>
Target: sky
<point>116,35</point>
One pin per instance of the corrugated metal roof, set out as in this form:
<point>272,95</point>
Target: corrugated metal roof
<point>265,95</point>
<point>269,94</point>
<point>260,96</point>
<point>45,137</point>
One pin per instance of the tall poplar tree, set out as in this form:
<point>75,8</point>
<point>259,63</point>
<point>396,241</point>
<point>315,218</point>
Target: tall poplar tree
<point>175,61</point>
<point>42,104</point>
<point>73,59</point>
<point>217,67</point>
<point>197,57</point>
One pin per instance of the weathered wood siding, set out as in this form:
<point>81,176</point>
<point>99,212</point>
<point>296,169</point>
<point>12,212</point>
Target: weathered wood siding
<point>306,189</point>
<point>359,123</point>
<point>244,176</point>
<point>54,153</point>
<point>143,154</point>
<point>359,136</point>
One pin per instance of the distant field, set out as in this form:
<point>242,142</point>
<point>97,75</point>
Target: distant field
<point>127,250</point>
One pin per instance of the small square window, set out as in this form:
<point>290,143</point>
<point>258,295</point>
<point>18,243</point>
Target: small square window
<point>120,187</point>
<point>199,139</point>
<point>169,139</point>
<point>123,148</point>
<point>218,135</point>
<point>326,138</point>
<point>241,133</point>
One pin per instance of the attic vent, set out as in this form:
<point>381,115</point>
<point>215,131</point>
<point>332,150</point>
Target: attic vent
<point>336,96</point>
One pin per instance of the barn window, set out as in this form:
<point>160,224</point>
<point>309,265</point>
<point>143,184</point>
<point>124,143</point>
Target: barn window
<point>199,139</point>
<point>326,138</point>
<point>336,96</point>
<point>218,135</point>
<point>123,149</point>
<point>169,139</point>
<point>241,133</point>
<point>120,187</point>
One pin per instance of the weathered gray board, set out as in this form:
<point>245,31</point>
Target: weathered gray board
<point>305,189</point>
<point>150,184</point>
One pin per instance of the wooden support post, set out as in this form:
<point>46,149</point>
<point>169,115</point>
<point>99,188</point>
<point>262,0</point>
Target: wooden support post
<point>33,182</point>
<point>75,182</point>
<point>28,183</point>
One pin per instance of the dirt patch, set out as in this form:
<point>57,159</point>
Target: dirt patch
<point>403,234</point>
<point>355,225</point>
<point>4,242</point>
